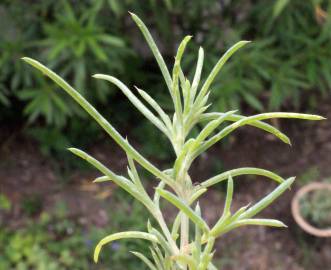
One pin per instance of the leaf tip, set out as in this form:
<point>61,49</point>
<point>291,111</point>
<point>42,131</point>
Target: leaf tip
<point>96,253</point>
<point>97,76</point>
<point>28,60</point>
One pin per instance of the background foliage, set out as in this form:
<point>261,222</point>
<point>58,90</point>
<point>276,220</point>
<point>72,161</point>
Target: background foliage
<point>287,65</point>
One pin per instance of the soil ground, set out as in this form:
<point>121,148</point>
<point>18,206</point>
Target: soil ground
<point>24,171</point>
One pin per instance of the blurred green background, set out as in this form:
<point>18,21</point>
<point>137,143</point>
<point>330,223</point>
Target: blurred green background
<point>287,67</point>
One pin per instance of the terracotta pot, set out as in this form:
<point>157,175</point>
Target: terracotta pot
<point>296,209</point>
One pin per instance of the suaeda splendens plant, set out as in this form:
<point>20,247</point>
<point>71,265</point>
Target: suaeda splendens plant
<point>172,245</point>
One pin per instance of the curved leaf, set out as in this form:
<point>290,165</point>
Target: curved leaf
<point>122,235</point>
<point>241,171</point>
<point>135,101</point>
<point>258,124</point>
<point>100,120</point>
<point>224,132</point>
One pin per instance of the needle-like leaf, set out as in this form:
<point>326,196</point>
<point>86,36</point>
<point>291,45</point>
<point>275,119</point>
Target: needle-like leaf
<point>211,126</point>
<point>122,235</point>
<point>197,75</point>
<point>155,50</point>
<point>175,77</point>
<point>224,132</point>
<point>218,67</point>
<point>182,206</point>
<point>119,180</point>
<point>266,201</point>
<point>165,118</point>
<point>255,222</point>
<point>135,101</point>
<point>241,171</point>
<point>142,257</point>
<point>100,120</point>
<point>258,124</point>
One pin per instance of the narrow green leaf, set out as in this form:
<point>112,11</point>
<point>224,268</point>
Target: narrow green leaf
<point>184,208</point>
<point>145,260</point>
<point>259,222</point>
<point>218,67</point>
<point>266,201</point>
<point>258,124</point>
<point>175,77</point>
<point>197,75</point>
<point>229,195</point>
<point>119,180</point>
<point>211,126</point>
<point>135,101</point>
<point>161,240</point>
<point>102,179</point>
<point>157,259</point>
<point>255,222</point>
<point>180,163</point>
<point>181,49</point>
<point>227,209</point>
<point>237,214</point>
<point>187,95</point>
<point>122,235</point>
<point>224,132</point>
<point>156,199</point>
<point>165,118</point>
<point>207,254</point>
<point>155,50</point>
<point>196,194</point>
<point>134,170</point>
<point>175,227</point>
<point>241,171</point>
<point>100,120</point>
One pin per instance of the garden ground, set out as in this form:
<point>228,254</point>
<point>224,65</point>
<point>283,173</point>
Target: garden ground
<point>30,180</point>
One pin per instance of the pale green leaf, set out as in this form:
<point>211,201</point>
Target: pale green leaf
<point>155,50</point>
<point>241,171</point>
<point>142,257</point>
<point>135,101</point>
<point>122,235</point>
<point>100,120</point>
<point>165,118</point>
<point>184,208</point>
<point>267,200</point>
<point>101,179</point>
<point>258,124</point>
<point>218,67</point>
<point>197,75</point>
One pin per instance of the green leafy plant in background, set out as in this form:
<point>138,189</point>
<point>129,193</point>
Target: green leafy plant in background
<point>287,67</point>
<point>316,207</point>
<point>56,241</point>
<point>172,245</point>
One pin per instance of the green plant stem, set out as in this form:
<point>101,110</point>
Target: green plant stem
<point>159,217</point>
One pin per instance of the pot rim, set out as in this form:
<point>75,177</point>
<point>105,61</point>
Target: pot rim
<point>295,207</point>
